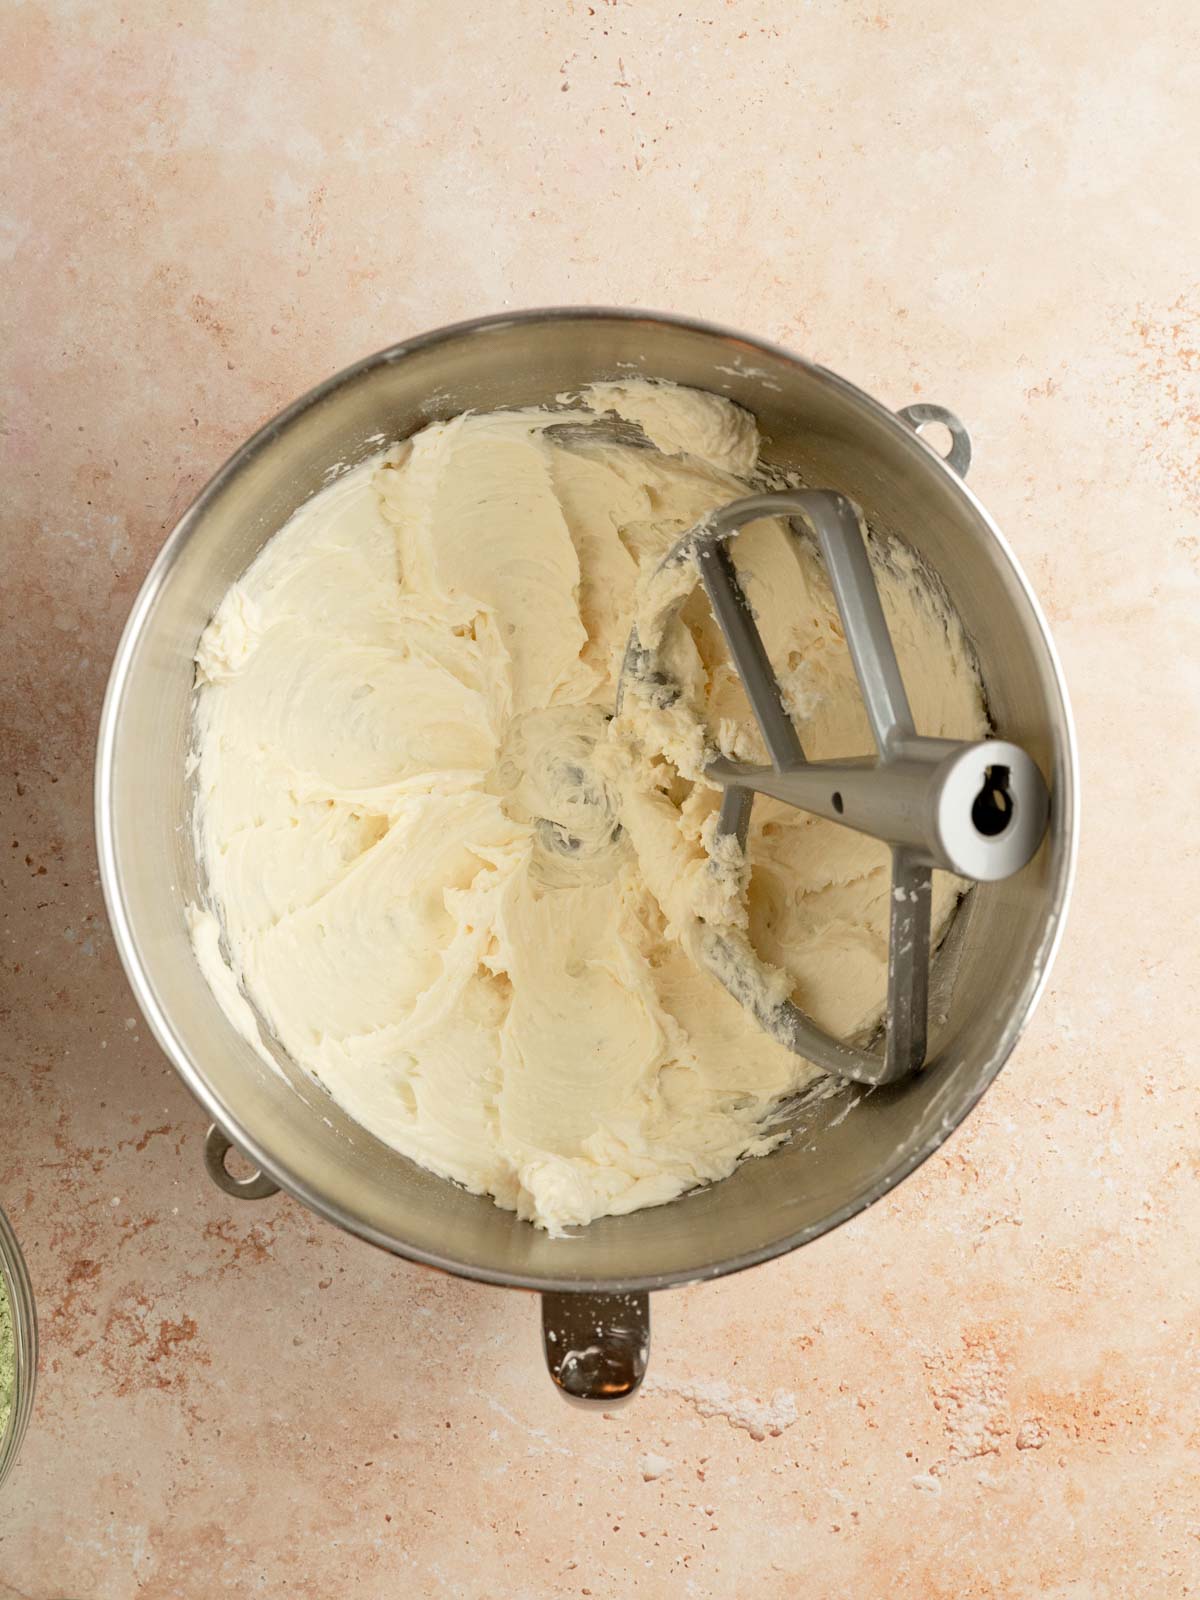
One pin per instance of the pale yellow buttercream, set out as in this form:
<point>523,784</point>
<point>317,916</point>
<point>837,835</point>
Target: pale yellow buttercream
<point>452,887</point>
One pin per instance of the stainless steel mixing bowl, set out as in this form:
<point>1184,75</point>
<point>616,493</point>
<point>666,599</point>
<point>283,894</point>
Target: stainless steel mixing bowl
<point>991,970</point>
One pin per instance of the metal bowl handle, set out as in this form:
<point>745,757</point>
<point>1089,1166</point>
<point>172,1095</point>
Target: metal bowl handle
<point>258,1186</point>
<point>596,1345</point>
<point>958,457</point>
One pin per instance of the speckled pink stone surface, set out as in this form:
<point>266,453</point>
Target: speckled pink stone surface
<point>985,1387</point>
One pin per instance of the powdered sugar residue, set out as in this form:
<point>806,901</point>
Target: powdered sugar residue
<point>761,1419</point>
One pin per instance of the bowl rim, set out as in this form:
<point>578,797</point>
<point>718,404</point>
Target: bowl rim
<point>1066,800</point>
<point>16,1284</point>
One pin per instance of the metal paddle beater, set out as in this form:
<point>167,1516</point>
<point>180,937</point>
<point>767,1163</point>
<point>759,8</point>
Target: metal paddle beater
<point>975,809</point>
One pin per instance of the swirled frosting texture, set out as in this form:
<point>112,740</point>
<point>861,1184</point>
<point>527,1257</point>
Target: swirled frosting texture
<point>451,887</point>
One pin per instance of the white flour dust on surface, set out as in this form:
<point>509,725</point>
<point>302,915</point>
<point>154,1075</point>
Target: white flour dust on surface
<point>761,1419</point>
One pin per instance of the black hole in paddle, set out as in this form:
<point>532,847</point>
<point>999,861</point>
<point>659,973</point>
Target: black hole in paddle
<point>993,808</point>
<point>839,804</point>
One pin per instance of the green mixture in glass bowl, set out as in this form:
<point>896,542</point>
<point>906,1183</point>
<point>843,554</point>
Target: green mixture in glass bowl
<point>8,1359</point>
<point>18,1347</point>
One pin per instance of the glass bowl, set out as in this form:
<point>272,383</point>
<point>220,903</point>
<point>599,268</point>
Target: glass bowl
<point>19,1290</point>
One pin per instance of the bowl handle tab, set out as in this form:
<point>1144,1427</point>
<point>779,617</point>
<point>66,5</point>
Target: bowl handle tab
<point>258,1186</point>
<point>596,1345</point>
<point>919,416</point>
